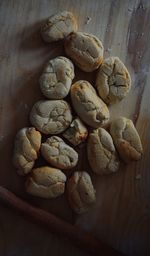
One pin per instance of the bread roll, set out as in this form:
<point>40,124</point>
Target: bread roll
<point>26,149</point>
<point>86,50</point>
<point>80,191</point>
<point>51,116</point>
<point>58,153</point>
<point>126,139</point>
<point>46,182</point>
<point>113,80</point>
<point>89,107</point>
<point>58,26</point>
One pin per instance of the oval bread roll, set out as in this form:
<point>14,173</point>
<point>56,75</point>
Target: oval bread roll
<point>126,139</point>
<point>102,155</point>
<point>58,153</point>
<point>26,149</point>
<point>80,191</point>
<point>46,182</point>
<point>90,108</point>
<point>113,80</point>
<point>58,26</point>
<point>55,82</point>
<point>86,50</point>
<point>51,116</point>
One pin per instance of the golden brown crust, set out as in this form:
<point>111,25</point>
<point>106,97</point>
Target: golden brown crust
<point>102,155</point>
<point>126,139</point>
<point>90,108</point>
<point>58,26</point>
<point>26,150</point>
<point>113,80</point>
<point>46,182</point>
<point>80,191</point>
<point>86,50</point>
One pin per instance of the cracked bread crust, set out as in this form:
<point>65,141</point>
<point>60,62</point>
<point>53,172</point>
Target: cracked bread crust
<point>55,82</point>
<point>76,133</point>
<point>80,191</point>
<point>86,50</point>
<point>126,139</point>
<point>113,80</point>
<point>89,107</point>
<point>101,152</point>
<point>51,116</point>
<point>26,149</point>
<point>46,182</point>
<point>58,153</point>
<point>58,26</point>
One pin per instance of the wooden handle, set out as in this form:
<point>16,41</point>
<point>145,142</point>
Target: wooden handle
<point>60,227</point>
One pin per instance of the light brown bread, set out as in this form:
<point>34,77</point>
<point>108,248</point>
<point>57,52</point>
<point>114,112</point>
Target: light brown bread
<point>126,139</point>
<point>58,26</point>
<point>113,80</point>
<point>80,191</point>
<point>26,149</point>
<point>57,77</point>
<point>58,153</point>
<point>76,133</point>
<point>102,155</point>
<point>89,107</point>
<point>86,50</point>
<point>46,182</point>
<point>51,116</point>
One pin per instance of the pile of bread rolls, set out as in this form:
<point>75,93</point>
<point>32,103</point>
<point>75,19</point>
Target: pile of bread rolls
<point>53,117</point>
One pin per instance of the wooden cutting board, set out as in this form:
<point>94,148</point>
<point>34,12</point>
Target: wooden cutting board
<point>121,214</point>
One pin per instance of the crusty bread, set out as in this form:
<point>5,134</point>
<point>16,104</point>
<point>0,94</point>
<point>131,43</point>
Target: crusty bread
<point>90,108</point>
<point>56,78</point>
<point>86,50</point>
<point>58,153</point>
<point>102,155</point>
<point>76,133</point>
<point>26,149</point>
<point>126,139</point>
<point>113,80</point>
<point>46,182</point>
<point>51,116</point>
<point>80,191</point>
<point>58,26</point>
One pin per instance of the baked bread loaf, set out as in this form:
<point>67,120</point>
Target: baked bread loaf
<point>57,77</point>
<point>102,155</point>
<point>26,149</point>
<point>46,182</point>
<point>126,139</point>
<point>58,153</point>
<point>89,107</point>
<point>86,50</point>
<point>76,133</point>
<point>51,116</point>
<point>80,191</point>
<point>113,80</point>
<point>58,26</point>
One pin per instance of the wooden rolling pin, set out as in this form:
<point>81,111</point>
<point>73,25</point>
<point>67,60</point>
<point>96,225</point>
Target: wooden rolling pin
<point>60,227</point>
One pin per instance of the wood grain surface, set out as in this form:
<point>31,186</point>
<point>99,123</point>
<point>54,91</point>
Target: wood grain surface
<point>121,214</point>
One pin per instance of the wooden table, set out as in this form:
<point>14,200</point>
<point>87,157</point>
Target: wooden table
<point>121,215</point>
